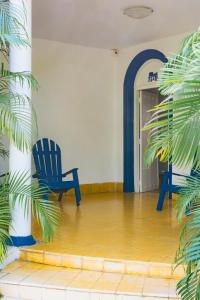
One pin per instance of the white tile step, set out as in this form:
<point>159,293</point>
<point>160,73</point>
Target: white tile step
<point>32,281</point>
<point>157,269</point>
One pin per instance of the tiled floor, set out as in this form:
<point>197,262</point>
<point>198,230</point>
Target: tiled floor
<point>116,225</point>
<point>32,281</point>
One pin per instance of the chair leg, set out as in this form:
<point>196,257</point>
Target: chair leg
<point>78,195</point>
<point>164,188</point>
<point>60,197</point>
<point>170,182</point>
<point>161,200</point>
<point>77,188</point>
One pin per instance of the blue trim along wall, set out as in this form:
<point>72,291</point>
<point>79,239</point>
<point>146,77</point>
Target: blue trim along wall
<point>129,83</point>
<point>20,241</point>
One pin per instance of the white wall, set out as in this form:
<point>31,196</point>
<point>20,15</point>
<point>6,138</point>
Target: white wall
<point>168,46</point>
<point>75,105</point>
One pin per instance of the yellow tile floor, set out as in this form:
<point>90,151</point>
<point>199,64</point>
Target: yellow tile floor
<point>116,225</point>
<point>32,281</point>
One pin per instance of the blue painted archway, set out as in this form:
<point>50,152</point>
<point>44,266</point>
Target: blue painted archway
<point>129,83</point>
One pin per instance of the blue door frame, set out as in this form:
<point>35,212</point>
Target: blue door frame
<point>129,89</point>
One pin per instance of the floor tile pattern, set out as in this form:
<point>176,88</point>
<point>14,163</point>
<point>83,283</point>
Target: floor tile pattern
<point>115,225</point>
<point>32,281</point>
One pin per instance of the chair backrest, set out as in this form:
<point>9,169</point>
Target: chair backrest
<point>47,157</point>
<point>193,172</point>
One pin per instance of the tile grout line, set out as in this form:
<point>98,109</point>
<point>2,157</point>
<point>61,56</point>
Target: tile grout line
<point>35,284</point>
<point>119,284</point>
<point>68,286</point>
<point>97,280</point>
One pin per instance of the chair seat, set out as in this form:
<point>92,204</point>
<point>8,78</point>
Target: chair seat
<point>61,185</point>
<point>168,187</point>
<point>174,188</point>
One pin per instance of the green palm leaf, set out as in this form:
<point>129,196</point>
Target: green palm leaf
<point>182,66</point>
<point>12,31</point>
<point>8,78</point>
<point>172,128</point>
<point>17,188</point>
<point>187,287</point>
<point>3,151</point>
<point>15,120</point>
<point>178,116</point>
<point>46,212</point>
<point>189,249</point>
<point>5,219</point>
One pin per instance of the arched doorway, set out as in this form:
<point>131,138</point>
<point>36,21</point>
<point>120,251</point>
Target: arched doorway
<point>129,83</point>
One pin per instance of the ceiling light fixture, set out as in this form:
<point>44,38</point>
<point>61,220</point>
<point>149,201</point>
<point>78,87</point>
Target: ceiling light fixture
<point>138,12</point>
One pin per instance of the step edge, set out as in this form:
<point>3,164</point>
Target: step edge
<point>112,265</point>
<point>91,290</point>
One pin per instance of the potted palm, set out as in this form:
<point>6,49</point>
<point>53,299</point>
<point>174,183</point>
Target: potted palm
<point>174,136</point>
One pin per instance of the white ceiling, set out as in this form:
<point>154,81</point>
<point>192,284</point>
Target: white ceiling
<point>101,23</point>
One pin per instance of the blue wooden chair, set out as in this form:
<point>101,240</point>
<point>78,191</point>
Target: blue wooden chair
<point>168,187</point>
<point>47,157</point>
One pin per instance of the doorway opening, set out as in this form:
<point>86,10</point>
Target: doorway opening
<point>149,179</point>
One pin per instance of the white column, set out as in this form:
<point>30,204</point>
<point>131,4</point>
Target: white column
<point>20,60</point>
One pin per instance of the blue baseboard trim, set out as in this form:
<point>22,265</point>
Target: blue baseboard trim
<point>20,241</point>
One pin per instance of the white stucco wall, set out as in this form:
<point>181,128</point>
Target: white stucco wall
<point>75,105</point>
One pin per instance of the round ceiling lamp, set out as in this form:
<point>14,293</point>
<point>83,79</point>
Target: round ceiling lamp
<point>138,12</point>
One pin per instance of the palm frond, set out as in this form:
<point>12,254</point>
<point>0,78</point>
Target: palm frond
<point>3,151</point>
<point>8,79</point>
<point>189,287</point>
<point>47,215</point>
<point>18,189</point>
<point>188,210</point>
<point>30,195</point>
<point>15,121</point>
<point>5,218</point>
<point>172,127</point>
<point>175,120</point>
<point>181,67</point>
<point>12,30</point>
<point>174,136</point>
<point>190,195</point>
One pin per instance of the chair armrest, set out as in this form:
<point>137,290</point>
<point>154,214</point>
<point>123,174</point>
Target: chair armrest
<point>69,172</point>
<point>180,175</point>
<point>175,174</point>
